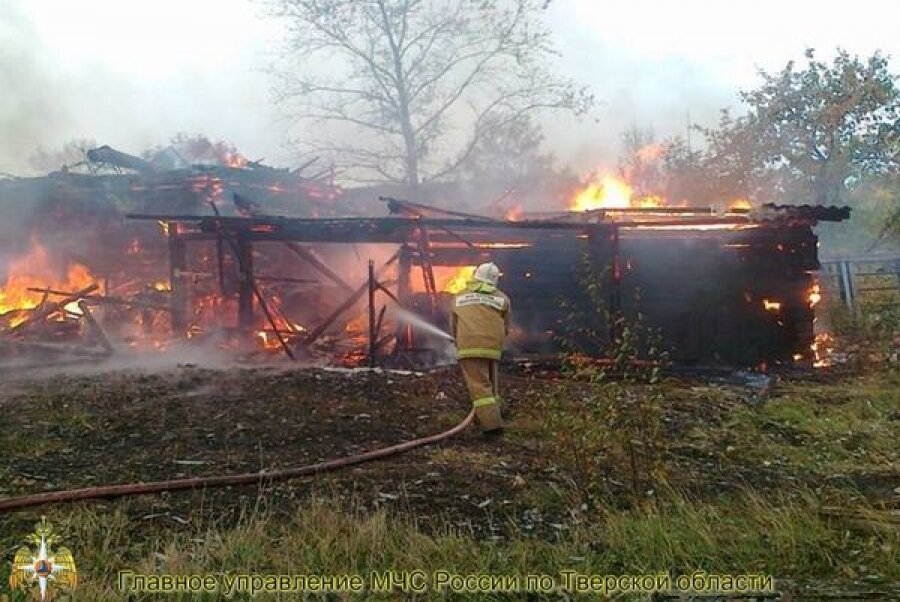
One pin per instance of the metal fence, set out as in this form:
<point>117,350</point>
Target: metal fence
<point>873,280</point>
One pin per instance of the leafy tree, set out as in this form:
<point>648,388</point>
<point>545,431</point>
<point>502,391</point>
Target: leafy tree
<point>818,127</point>
<point>811,134</point>
<point>641,160</point>
<point>685,175</point>
<point>508,161</point>
<point>735,164</point>
<point>405,90</point>
<point>875,226</point>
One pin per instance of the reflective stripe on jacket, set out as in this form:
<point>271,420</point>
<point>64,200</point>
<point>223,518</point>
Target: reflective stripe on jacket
<point>480,320</point>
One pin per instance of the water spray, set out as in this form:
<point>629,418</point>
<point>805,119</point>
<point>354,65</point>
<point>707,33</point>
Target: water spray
<point>419,322</point>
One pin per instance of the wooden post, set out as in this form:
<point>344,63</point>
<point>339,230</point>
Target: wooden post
<point>404,295</point>
<point>347,304</point>
<point>308,256</point>
<point>245,284</point>
<point>177,267</point>
<point>96,329</point>
<point>427,269</point>
<point>373,335</point>
<point>615,293</point>
<point>404,278</point>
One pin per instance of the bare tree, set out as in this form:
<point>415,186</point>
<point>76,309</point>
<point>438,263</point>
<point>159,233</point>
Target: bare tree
<point>73,152</point>
<point>404,90</point>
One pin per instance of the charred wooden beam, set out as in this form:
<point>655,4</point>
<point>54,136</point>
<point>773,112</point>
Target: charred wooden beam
<point>46,310</point>
<point>244,252</point>
<point>177,280</point>
<point>104,299</point>
<point>384,229</point>
<point>111,156</point>
<point>409,208</point>
<point>373,333</point>
<point>347,304</point>
<point>311,258</point>
<point>96,329</point>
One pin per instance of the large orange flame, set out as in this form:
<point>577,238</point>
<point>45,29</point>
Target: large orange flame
<point>36,271</point>
<point>740,205</point>
<point>611,192</point>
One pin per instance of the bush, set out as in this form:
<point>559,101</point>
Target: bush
<point>619,419</point>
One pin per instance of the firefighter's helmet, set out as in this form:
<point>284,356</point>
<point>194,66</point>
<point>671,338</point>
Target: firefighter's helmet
<point>488,273</point>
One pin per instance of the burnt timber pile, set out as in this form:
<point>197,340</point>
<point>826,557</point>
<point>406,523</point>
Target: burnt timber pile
<point>723,289</point>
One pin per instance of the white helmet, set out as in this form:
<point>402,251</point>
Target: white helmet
<point>488,273</point>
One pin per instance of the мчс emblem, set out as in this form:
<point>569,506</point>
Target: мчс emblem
<point>46,570</point>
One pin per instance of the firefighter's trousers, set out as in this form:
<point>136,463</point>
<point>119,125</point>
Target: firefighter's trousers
<point>482,379</point>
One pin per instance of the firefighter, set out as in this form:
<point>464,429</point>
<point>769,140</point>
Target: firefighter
<point>480,321</point>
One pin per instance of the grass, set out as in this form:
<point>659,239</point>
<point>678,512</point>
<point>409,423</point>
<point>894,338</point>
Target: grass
<point>749,486</point>
<point>748,533</point>
<point>832,429</point>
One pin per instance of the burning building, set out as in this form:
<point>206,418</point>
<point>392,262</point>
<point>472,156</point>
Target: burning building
<point>245,253</point>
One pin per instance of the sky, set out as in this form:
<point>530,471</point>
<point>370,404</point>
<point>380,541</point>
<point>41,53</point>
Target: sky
<point>131,73</point>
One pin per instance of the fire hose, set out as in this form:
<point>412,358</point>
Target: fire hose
<point>128,489</point>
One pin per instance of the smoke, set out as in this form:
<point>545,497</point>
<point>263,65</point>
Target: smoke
<point>30,110</point>
<point>183,355</point>
<point>132,75</point>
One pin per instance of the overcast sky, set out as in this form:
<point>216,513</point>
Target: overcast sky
<point>131,73</point>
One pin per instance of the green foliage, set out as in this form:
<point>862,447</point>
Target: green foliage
<point>621,416</point>
<point>640,163</point>
<point>870,334</point>
<point>875,223</point>
<point>491,169</point>
<point>811,133</point>
<point>824,124</point>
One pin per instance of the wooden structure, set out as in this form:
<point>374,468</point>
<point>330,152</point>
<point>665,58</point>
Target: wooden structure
<point>729,289</point>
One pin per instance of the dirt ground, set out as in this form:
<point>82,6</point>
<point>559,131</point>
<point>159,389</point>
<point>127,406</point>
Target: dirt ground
<point>76,431</point>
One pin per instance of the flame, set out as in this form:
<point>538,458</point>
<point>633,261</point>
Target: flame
<point>609,192</point>
<point>822,346</point>
<point>234,160</point>
<point>459,280</point>
<point>268,340</point>
<point>35,270</point>
<point>771,305</point>
<point>724,226</point>
<point>285,329</point>
<point>612,192</point>
<point>740,205</point>
<point>649,202</point>
<point>815,295</point>
<point>514,213</point>
<point>162,286</point>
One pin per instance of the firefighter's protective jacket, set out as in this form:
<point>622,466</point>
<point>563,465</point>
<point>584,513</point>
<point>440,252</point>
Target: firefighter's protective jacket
<point>480,320</point>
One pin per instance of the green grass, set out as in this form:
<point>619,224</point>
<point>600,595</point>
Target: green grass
<point>746,533</point>
<point>796,441</point>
